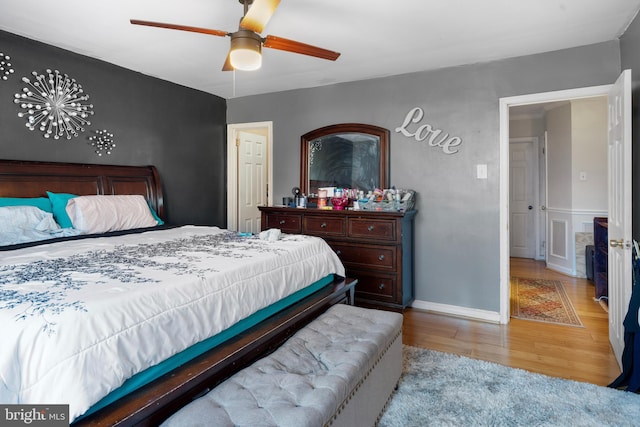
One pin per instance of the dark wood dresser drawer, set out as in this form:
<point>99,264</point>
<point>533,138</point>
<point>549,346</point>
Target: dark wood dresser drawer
<point>366,256</point>
<point>323,226</point>
<point>287,223</point>
<point>379,287</point>
<point>379,230</point>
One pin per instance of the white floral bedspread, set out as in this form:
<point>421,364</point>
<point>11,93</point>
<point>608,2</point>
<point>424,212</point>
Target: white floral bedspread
<point>80,317</point>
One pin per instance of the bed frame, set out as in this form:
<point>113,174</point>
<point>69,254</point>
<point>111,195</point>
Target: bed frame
<point>153,403</point>
<point>33,179</point>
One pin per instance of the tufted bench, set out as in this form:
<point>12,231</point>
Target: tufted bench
<point>339,370</point>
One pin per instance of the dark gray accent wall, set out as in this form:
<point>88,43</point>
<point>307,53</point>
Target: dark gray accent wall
<point>457,227</point>
<point>179,130</point>
<point>630,54</point>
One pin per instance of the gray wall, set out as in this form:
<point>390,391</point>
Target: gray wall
<point>179,130</point>
<point>630,54</point>
<point>457,227</point>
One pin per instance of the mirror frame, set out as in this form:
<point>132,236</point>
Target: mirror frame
<point>381,133</point>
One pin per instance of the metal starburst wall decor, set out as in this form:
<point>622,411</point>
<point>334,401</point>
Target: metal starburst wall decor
<point>5,66</point>
<point>55,104</point>
<point>102,142</point>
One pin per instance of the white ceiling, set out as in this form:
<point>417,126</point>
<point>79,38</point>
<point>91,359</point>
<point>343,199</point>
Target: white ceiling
<point>376,38</point>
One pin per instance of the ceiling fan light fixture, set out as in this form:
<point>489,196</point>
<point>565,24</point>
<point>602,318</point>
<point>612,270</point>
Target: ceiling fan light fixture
<point>246,51</point>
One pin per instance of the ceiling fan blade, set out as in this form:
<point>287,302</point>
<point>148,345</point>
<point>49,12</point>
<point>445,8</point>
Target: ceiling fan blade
<point>258,15</point>
<point>180,27</point>
<point>280,43</point>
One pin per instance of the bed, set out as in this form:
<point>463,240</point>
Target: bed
<point>127,326</point>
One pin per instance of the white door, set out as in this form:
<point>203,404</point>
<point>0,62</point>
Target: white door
<point>620,253</point>
<point>522,203</point>
<point>252,180</point>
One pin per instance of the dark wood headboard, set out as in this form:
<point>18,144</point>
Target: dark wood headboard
<point>33,179</point>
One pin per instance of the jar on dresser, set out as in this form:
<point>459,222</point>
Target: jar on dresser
<point>375,247</point>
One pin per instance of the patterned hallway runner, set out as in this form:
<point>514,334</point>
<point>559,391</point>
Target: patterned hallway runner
<point>542,300</point>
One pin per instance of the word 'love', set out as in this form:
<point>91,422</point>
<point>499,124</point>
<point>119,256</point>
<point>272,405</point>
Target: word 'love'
<point>446,142</point>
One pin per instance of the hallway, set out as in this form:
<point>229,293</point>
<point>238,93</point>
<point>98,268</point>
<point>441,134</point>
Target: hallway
<point>581,354</point>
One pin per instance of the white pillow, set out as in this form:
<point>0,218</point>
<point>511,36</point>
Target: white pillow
<point>99,214</point>
<point>26,218</point>
<point>20,224</point>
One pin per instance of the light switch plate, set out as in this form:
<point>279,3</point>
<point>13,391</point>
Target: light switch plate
<point>481,171</point>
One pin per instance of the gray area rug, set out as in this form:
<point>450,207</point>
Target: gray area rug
<point>440,389</point>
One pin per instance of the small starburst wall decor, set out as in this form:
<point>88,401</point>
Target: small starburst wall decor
<point>55,104</point>
<point>5,66</point>
<point>102,142</point>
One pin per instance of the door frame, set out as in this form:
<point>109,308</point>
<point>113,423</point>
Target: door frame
<point>505,103</point>
<point>232,167</point>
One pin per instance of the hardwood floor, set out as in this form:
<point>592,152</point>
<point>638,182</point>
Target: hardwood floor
<point>581,354</point>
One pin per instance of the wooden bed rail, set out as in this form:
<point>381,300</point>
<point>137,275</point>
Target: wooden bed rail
<point>154,403</point>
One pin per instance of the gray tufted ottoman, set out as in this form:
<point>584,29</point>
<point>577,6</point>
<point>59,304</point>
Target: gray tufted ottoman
<point>339,370</point>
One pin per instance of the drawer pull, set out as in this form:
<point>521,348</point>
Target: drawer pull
<point>282,222</point>
<point>370,228</point>
<point>381,286</point>
<point>323,225</point>
<point>338,252</point>
<point>381,257</point>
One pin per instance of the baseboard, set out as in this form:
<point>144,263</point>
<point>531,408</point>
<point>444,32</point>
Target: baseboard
<point>454,310</point>
<point>561,269</point>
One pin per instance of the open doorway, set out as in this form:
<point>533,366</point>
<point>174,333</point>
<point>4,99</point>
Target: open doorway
<point>529,103</point>
<point>619,196</point>
<point>249,173</point>
<point>557,187</point>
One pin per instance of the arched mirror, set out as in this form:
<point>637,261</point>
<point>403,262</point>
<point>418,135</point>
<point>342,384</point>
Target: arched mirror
<point>348,155</point>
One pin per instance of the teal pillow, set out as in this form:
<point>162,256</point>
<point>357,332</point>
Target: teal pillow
<point>155,215</point>
<point>41,203</point>
<point>58,207</point>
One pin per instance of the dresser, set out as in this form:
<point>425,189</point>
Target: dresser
<point>601,256</point>
<point>375,247</point>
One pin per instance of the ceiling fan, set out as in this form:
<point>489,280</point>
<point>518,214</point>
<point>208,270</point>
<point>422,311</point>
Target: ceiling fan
<point>245,52</point>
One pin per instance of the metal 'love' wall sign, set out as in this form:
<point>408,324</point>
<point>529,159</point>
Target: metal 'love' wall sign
<point>434,137</point>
